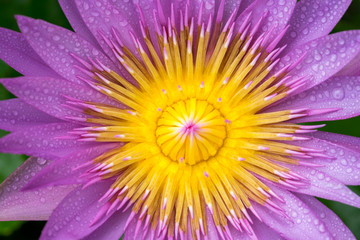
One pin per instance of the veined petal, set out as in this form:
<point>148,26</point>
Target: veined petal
<point>262,231</point>
<point>16,51</point>
<point>313,19</point>
<point>73,216</point>
<point>55,46</point>
<point>40,141</point>
<point>16,204</point>
<point>352,69</point>
<point>339,139</point>
<point>300,219</point>
<point>323,186</point>
<point>111,229</point>
<point>345,167</point>
<point>245,4</point>
<point>323,57</point>
<point>61,171</point>
<point>77,23</point>
<point>15,114</point>
<point>276,16</point>
<point>50,95</point>
<point>103,17</point>
<point>207,8</point>
<point>230,6</point>
<point>337,92</point>
<point>332,222</point>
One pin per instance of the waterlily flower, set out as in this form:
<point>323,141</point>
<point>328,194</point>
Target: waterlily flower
<point>181,119</point>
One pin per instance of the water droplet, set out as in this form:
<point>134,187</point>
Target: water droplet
<point>41,161</point>
<point>320,176</point>
<point>321,228</point>
<point>338,93</point>
<point>42,199</point>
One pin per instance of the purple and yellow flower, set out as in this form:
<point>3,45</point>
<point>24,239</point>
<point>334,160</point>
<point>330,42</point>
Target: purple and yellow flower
<point>182,120</point>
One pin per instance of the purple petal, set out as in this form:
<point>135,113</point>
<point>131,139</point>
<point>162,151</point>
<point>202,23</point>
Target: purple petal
<point>324,186</point>
<point>40,141</point>
<point>211,228</point>
<point>337,92</point>
<point>230,7</point>
<point>339,139</point>
<point>48,94</point>
<point>324,56</point>
<point>313,19</point>
<point>346,165</point>
<point>332,222</point>
<point>73,216</point>
<point>129,233</point>
<point>104,16</point>
<point>279,13</point>
<point>208,8</point>
<point>61,171</point>
<point>352,69</point>
<point>245,4</point>
<point>112,229</point>
<point>15,51</point>
<point>262,231</point>
<point>300,224</point>
<point>76,21</point>
<point>28,205</point>
<point>54,45</point>
<point>15,114</point>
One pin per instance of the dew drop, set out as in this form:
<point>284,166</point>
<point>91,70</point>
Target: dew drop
<point>41,161</point>
<point>321,228</point>
<point>56,38</point>
<point>338,93</point>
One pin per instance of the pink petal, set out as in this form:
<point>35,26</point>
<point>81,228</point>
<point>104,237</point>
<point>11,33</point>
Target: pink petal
<point>15,51</point>
<point>61,172</point>
<point>336,92</point>
<point>28,205</point>
<point>15,114</point>
<point>231,6</point>
<point>76,21</point>
<point>346,165</point>
<point>279,13</point>
<point>352,68</point>
<point>54,45</point>
<point>339,139</point>
<point>313,19</point>
<point>73,216</point>
<point>332,222</point>
<point>104,16</point>
<point>262,231</point>
<point>324,56</point>
<point>48,94</point>
<point>112,229</point>
<point>324,186</point>
<point>300,224</point>
<point>40,141</point>
<point>208,8</point>
<point>245,4</point>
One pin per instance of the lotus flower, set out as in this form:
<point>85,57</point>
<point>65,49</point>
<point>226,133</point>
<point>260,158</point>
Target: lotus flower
<point>182,119</point>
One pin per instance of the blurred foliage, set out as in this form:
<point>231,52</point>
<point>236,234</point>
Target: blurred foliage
<point>49,10</point>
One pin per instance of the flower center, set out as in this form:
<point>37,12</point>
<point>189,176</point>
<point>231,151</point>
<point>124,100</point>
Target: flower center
<point>190,131</point>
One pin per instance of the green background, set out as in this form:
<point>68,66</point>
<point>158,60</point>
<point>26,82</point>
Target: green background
<point>50,11</point>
